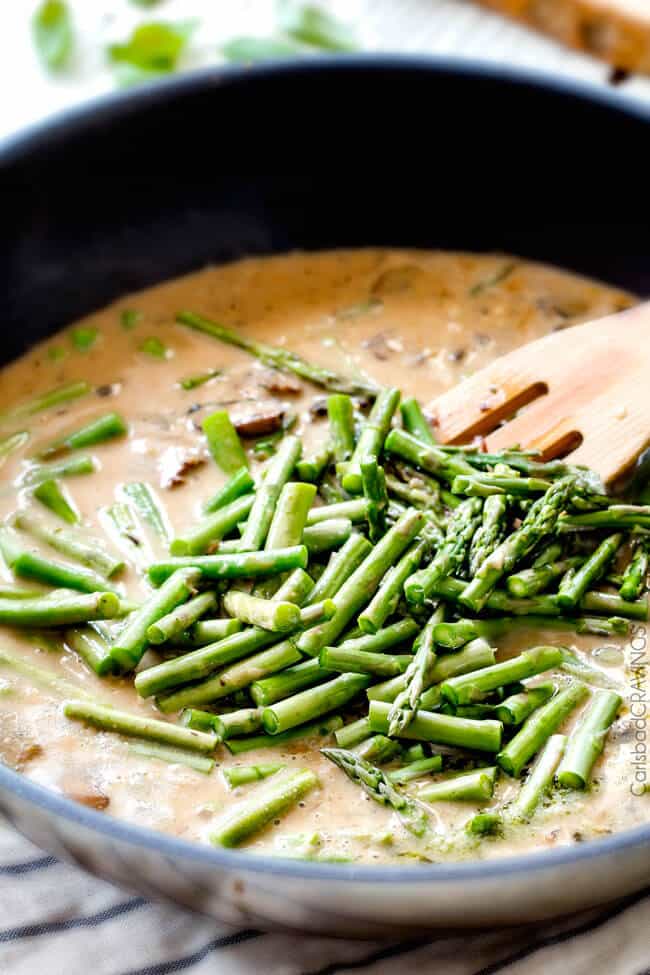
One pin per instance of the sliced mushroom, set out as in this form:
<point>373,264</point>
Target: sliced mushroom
<point>175,464</point>
<point>279,383</point>
<point>258,421</point>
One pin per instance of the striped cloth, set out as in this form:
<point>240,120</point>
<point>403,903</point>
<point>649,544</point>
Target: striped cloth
<point>55,920</point>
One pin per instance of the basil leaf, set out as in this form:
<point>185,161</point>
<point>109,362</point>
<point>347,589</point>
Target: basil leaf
<point>53,34</point>
<point>153,49</point>
<point>313,25</point>
<point>250,50</point>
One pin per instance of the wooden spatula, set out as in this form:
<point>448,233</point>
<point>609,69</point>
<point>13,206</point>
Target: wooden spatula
<point>583,392</point>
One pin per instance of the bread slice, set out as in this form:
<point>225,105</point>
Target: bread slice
<point>617,31</point>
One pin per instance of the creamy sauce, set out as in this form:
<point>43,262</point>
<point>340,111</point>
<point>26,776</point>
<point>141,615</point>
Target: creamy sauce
<point>420,321</point>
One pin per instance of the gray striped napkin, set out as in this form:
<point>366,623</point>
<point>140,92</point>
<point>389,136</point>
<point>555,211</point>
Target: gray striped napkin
<point>56,920</point>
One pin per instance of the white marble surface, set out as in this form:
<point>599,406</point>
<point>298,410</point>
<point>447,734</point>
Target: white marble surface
<point>445,27</point>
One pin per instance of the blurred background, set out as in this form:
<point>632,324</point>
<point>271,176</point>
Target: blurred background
<point>57,54</point>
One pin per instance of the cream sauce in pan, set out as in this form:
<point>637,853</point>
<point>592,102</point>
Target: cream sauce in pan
<point>420,321</point>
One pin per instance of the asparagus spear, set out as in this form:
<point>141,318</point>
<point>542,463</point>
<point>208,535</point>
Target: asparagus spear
<point>636,572</point>
<point>59,609</point>
<point>52,495</point>
<point>476,786</point>
<point>92,648</point>
<point>539,780</point>
<point>239,565</point>
<point>206,631</point>
<point>278,472</point>
<point>13,442</point>
<point>269,614</point>
<point>31,565</point>
<point>415,422</point>
<point>586,743</point>
<point>235,724</point>
<point>385,601</point>
<point>484,824</point>
<point>72,467</point>
<point>48,400</point>
<point>577,667</point>
<point>468,688</point>
<point>290,516</point>
<point>362,662</point>
<point>429,458</point>
<point>354,510</point>
<point>443,729</point>
<point>379,787</point>
<point>131,643</point>
<point>571,592</point>
<point>487,485</point>
<point>88,551</point>
<point>180,618</point>
<point>312,468</point>
<point>110,719</point>
<point>490,532</point>
<point>384,639</point>
<point>371,439</point>
<point>148,507</point>
<point>354,733</point>
<point>240,483</point>
<point>211,529</point>
<point>326,535</point>
<point>617,517</point>
<point>415,770</point>
<point>539,727</point>
<point>378,749</point>
<point>276,687</point>
<point>172,755</point>
<point>539,523</point>
<point>252,815</point>
<point>224,443</point>
<point>313,729</point>
<point>463,523</point>
<point>40,676</point>
<point>244,774</point>
<point>279,358</point>
<point>102,428</point>
<point>417,677</point>
<point>340,567</point>
<point>361,585</point>
<point>517,707</point>
<point>373,481</point>
<point>340,412</point>
<point>312,703</point>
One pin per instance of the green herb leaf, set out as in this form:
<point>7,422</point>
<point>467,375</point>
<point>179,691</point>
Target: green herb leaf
<point>145,3</point>
<point>129,318</point>
<point>249,50</point>
<point>56,353</point>
<point>53,34</point>
<point>191,382</point>
<point>154,347</point>
<point>313,25</point>
<point>152,50</point>
<point>84,338</point>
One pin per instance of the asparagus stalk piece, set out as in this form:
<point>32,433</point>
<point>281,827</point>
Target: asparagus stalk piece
<point>362,662</point>
<point>517,707</point>
<point>373,481</point>
<point>278,472</point>
<point>355,510</point>
<point>40,676</point>
<point>530,582</point>
<point>385,601</point>
<point>378,749</point>
<point>235,724</point>
<point>385,639</point>
<point>131,643</point>
<point>173,624</point>
<point>487,485</point>
<point>340,412</point>
<point>326,535</point>
<point>571,592</point>
<point>252,815</point>
<point>31,565</point>
<point>93,650</point>
<point>48,400</point>
<point>490,532</point>
<point>148,507</point>
<point>88,551</point>
<point>173,756</point>
<point>269,614</point>
<point>484,824</point>
<point>239,565</point>
<point>224,443</point>
<point>415,770</point>
<point>52,495</point>
<point>371,439</point>
<point>539,780</point>
<point>463,523</point>
<point>312,703</point>
<point>476,786</point>
<point>211,529</point>
<point>539,727</point>
<point>120,524</point>
<point>11,443</point>
<point>362,584</point>
<point>290,516</point>
<point>102,428</point>
<point>280,358</point>
<point>538,524</point>
<point>239,484</point>
<point>617,517</point>
<point>311,469</point>
<point>132,725</point>
<point>70,467</point>
<point>59,609</point>
<point>442,729</point>
<point>577,667</point>
<point>431,459</point>
<point>415,422</point>
<point>206,631</point>
<point>472,687</point>
<point>379,787</point>
<point>287,682</point>
<point>417,677</point>
<point>244,774</point>
<point>586,743</point>
<point>354,733</point>
<point>321,728</point>
<point>636,572</point>
<point>341,566</point>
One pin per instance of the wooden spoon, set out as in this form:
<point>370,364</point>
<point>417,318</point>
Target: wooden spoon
<point>583,392</point>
